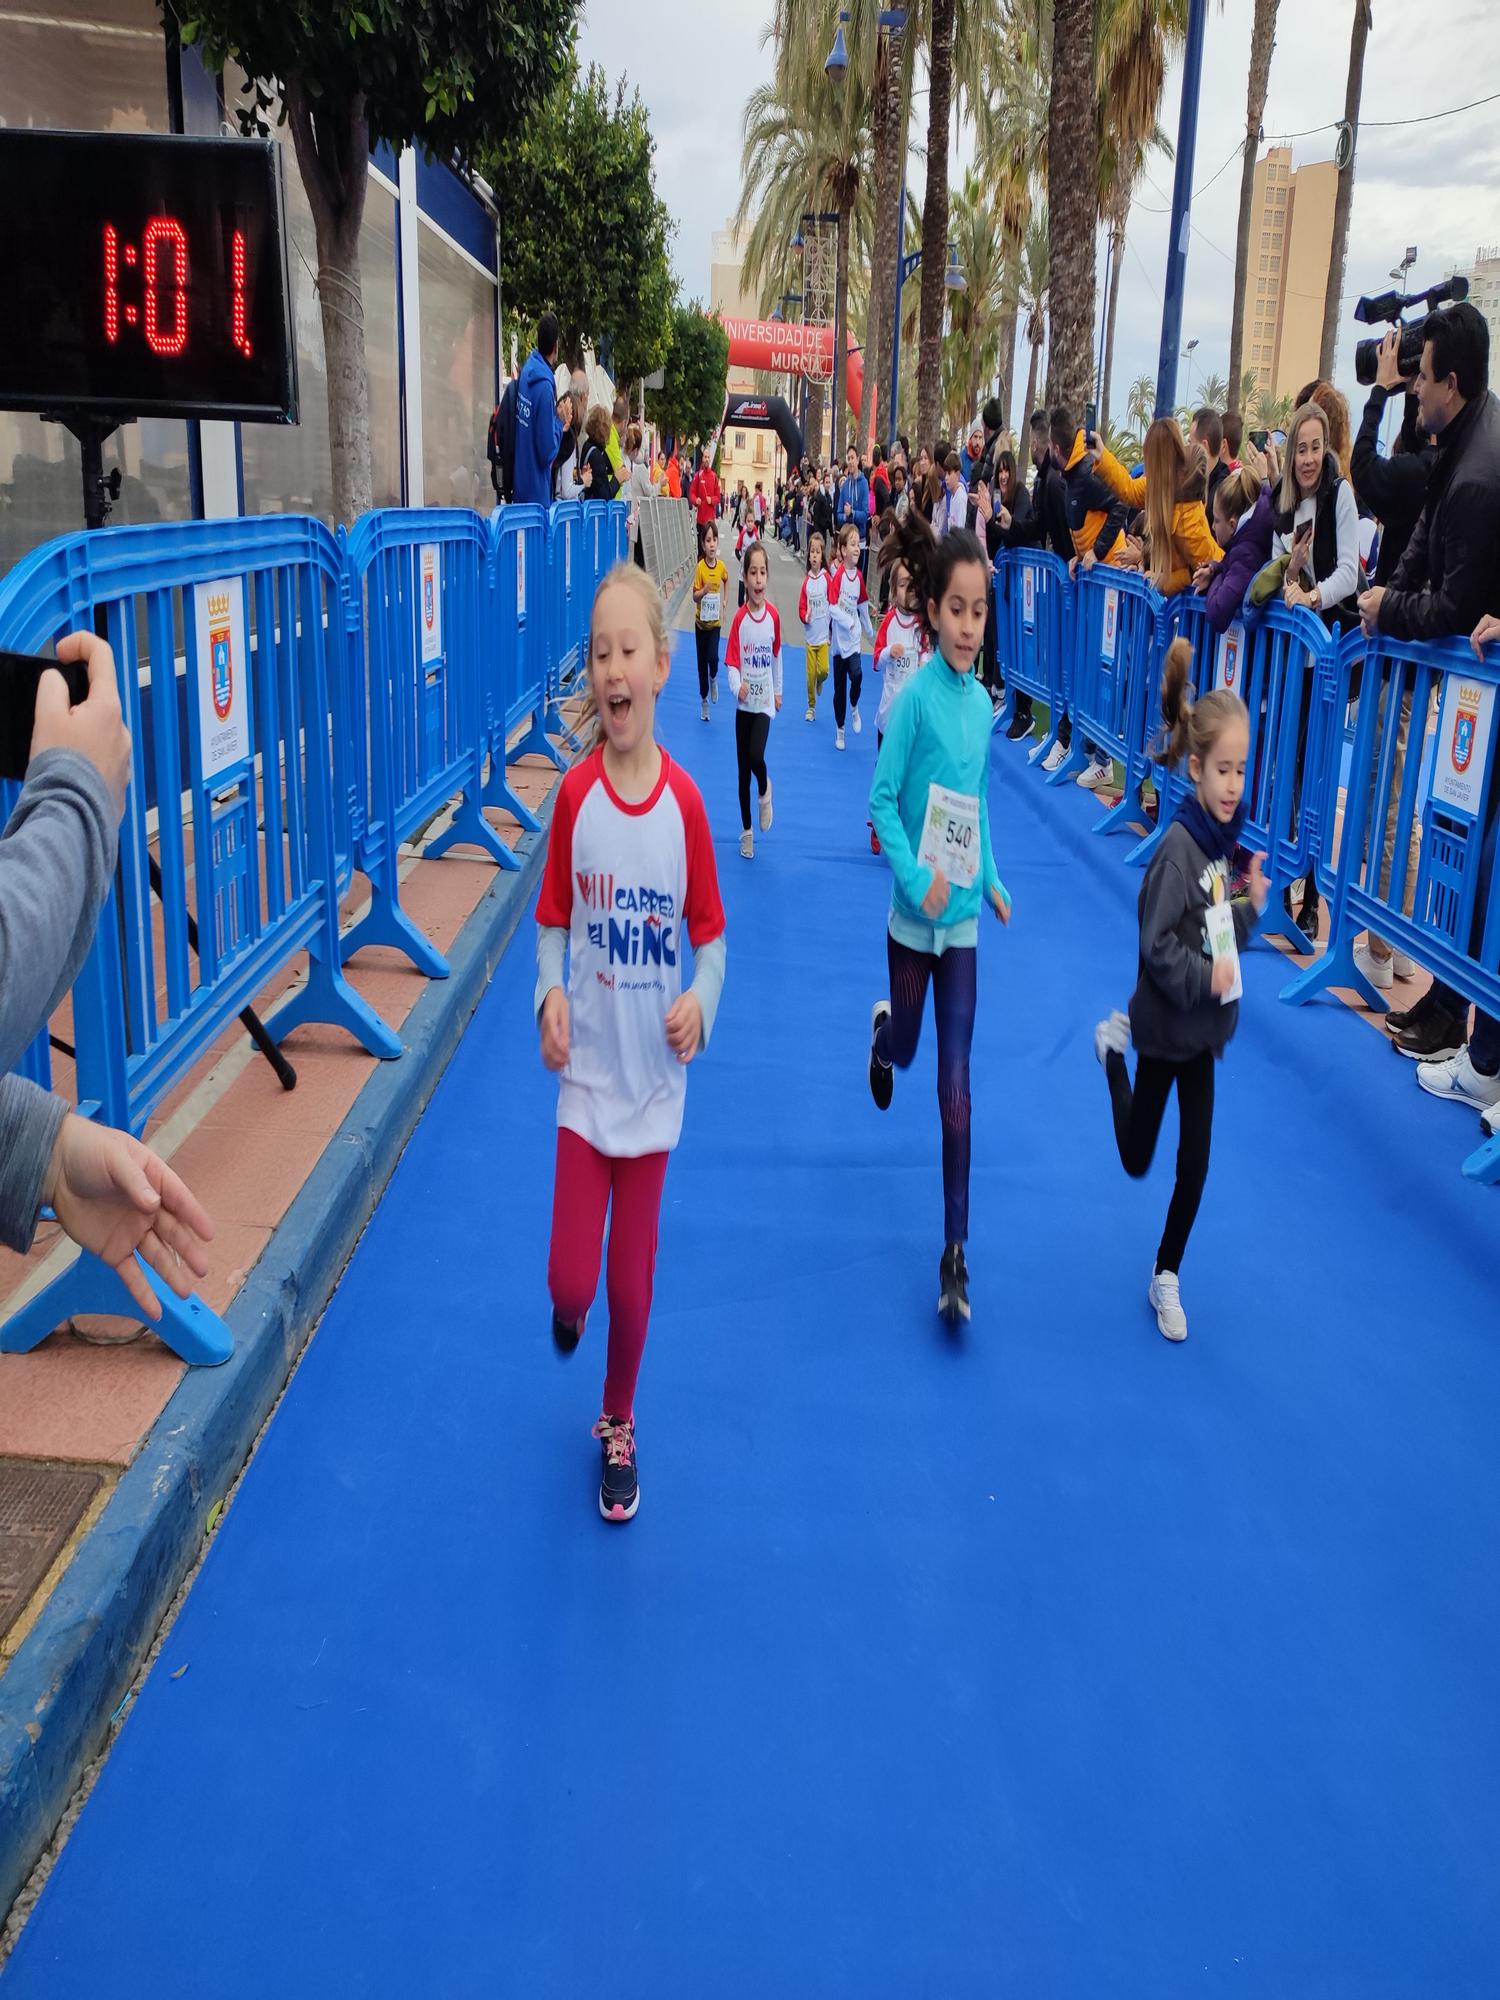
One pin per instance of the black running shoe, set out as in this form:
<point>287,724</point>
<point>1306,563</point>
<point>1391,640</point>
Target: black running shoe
<point>882,1076</point>
<point>1020,725</point>
<point>1307,916</point>
<point>619,1489</point>
<point>1432,1037</point>
<point>566,1334</point>
<point>953,1285</point>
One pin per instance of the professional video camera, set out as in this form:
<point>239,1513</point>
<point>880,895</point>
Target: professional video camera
<point>1389,307</point>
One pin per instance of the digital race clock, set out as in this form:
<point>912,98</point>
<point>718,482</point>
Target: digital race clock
<point>144,276</point>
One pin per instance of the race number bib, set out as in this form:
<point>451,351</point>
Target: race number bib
<point>708,609</point>
<point>950,836</point>
<point>755,677</point>
<point>1218,924</point>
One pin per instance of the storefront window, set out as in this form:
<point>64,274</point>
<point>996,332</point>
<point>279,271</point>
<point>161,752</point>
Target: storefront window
<point>458,374</point>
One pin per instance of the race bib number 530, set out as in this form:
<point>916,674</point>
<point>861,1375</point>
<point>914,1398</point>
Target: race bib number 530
<point>950,836</point>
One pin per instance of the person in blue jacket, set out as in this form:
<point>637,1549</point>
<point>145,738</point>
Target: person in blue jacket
<point>539,423</point>
<point>1242,528</point>
<point>854,498</point>
<point>929,807</point>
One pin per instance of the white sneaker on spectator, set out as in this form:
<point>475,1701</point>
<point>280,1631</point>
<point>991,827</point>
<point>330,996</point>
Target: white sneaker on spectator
<point>1165,1295</point>
<point>1056,757</point>
<point>1112,1035</point>
<point>1490,1120</point>
<point>1379,971</point>
<point>1095,775</point>
<point>1402,966</point>
<point>1458,1079</point>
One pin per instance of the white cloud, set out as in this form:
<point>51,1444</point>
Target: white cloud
<point>696,61</point>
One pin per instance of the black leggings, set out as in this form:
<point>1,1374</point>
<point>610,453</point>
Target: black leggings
<point>708,657</point>
<point>954,976</point>
<point>1138,1117</point>
<point>848,678</point>
<point>751,734</point>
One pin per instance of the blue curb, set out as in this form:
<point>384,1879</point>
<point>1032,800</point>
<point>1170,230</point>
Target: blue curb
<point>60,1693</point>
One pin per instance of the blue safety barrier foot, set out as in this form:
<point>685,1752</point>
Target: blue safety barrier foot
<point>386,923</point>
<point>537,743</point>
<point>497,792</point>
<point>1069,768</point>
<point>1336,967</point>
<point>470,828</point>
<point>1119,815</point>
<point>194,1333</point>
<point>1039,752</point>
<point>326,996</point>
<point>1483,1165</point>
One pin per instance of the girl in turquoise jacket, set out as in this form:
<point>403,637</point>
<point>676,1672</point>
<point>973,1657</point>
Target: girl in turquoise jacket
<point>929,807</point>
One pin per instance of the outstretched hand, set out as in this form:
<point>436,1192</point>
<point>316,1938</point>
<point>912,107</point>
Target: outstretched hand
<point>685,1027</point>
<point>115,1197</point>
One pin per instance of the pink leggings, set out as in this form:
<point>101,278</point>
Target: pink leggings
<point>588,1184</point>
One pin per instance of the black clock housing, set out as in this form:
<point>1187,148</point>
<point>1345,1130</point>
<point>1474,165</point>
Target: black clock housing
<point>145,276</point>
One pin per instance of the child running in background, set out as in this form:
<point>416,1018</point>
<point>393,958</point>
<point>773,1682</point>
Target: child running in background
<point>1186,1002</point>
<point>812,609</point>
<point>744,541</point>
<point>901,645</point>
<point>710,581</point>
<point>630,872</point>
<point>850,603</point>
<point>929,809</point>
<point>753,657</point>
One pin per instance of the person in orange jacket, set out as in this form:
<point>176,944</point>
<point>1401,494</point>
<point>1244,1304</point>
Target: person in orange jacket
<point>1096,519</point>
<point>1171,490</point>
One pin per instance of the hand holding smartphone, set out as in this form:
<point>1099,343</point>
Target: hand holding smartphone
<point>70,703</point>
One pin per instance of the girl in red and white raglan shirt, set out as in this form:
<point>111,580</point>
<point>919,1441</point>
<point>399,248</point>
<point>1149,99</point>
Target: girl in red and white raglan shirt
<point>812,609</point>
<point>630,882</point>
<point>901,646</point>
<point>850,603</point>
<point>753,657</point>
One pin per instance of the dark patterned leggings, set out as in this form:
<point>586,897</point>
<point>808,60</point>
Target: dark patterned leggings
<point>954,977</point>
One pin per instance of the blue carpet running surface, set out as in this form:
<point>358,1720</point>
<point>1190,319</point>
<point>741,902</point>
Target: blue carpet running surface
<point>1043,1659</point>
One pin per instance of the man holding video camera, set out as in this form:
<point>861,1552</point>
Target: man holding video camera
<point>57,855</point>
<point>1447,580</point>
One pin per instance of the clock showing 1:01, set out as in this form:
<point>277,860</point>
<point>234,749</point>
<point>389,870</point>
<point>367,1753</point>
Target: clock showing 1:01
<point>145,276</point>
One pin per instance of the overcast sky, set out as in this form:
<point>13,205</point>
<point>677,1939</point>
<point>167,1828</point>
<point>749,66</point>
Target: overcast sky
<point>1433,185</point>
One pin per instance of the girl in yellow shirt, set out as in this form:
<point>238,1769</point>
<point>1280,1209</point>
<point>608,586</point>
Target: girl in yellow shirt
<point>710,581</point>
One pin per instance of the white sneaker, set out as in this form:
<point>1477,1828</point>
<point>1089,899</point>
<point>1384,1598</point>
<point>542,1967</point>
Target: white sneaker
<point>713,687</point>
<point>1457,1078</point>
<point>1165,1296</point>
<point>765,808</point>
<point>704,707</point>
<point>858,725</point>
<point>1056,757</point>
<point>1490,1120</point>
<point>1402,966</point>
<point>747,844</point>
<point>838,739</point>
<point>1380,972</point>
<point>811,714</point>
<point>1112,1034</point>
<point>1094,777</point>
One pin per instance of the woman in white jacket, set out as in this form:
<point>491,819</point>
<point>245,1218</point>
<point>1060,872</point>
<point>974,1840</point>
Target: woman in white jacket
<point>637,487</point>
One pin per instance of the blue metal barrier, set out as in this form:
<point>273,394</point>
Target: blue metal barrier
<point>570,594</point>
<point>1119,634</point>
<point>1033,610</point>
<point>407,711</point>
<point>251,852</point>
<point>516,656</point>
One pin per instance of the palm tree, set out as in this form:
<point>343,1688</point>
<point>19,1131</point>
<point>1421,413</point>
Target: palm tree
<point>1010,120</point>
<point>935,216</point>
<point>1035,293</point>
<point>1140,404</point>
<point>806,147</point>
<point>1213,393</point>
<point>1073,201</point>
<point>1273,412</point>
<point>976,312</point>
<point>1262,42</point>
<point>1333,298</point>
<point>1249,389</point>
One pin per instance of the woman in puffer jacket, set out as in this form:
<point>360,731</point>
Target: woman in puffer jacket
<point>1242,528</point>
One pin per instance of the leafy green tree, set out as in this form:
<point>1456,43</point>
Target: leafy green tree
<point>691,400</point>
<point>584,232</point>
<point>450,75</point>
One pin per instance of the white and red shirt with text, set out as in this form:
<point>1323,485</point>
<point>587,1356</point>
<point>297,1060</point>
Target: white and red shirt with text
<point>753,657</point>
<point>812,607</point>
<point>901,646</point>
<point>850,601</point>
<point>633,885</point>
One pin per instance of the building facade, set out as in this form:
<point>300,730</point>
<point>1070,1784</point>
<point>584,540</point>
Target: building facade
<point>1291,242</point>
<point>429,265</point>
<point>1484,288</point>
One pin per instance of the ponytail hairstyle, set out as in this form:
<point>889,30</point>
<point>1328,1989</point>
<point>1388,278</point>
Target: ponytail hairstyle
<point>1193,727</point>
<point>1237,492</point>
<point>930,559</point>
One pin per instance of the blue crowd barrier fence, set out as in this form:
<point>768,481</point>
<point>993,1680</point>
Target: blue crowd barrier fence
<point>1119,633</point>
<point>515,660</point>
<point>1033,610</point>
<point>243,823</point>
<point>408,710</point>
<point>571,597</point>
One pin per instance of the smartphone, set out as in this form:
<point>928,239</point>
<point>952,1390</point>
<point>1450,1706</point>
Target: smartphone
<point>1259,439</point>
<point>19,675</point>
<point>1090,421</point>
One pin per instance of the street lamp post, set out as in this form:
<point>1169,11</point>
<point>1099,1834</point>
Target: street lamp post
<point>1187,354</point>
<point>836,67</point>
<point>1182,209</point>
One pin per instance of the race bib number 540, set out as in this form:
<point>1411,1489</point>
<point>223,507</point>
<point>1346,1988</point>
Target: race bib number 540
<point>950,836</point>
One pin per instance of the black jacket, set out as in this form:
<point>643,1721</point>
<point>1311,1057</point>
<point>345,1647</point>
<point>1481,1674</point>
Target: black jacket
<point>1174,1013</point>
<point>604,485</point>
<point>820,514</point>
<point>1449,576</point>
<point>1392,489</point>
<point>1020,533</point>
<point>1048,525</point>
